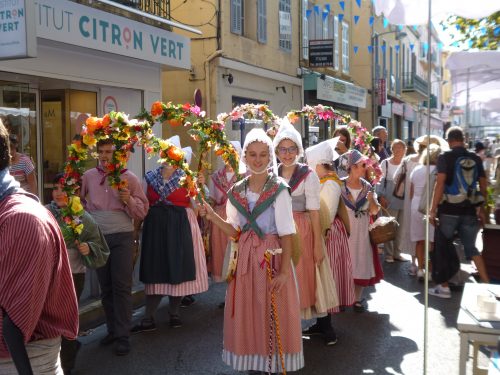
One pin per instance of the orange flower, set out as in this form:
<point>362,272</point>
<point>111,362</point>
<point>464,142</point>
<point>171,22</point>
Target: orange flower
<point>219,152</point>
<point>175,153</point>
<point>106,120</point>
<point>157,109</point>
<point>93,123</point>
<point>175,122</point>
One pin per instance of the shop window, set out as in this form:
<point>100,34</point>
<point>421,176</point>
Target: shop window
<point>262,21</point>
<point>285,25</point>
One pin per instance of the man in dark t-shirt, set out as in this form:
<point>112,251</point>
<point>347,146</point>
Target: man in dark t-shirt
<point>461,219</point>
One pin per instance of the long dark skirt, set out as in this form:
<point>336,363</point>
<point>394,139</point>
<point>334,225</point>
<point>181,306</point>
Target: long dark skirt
<point>167,246</point>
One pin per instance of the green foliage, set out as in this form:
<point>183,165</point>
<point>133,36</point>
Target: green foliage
<point>483,33</point>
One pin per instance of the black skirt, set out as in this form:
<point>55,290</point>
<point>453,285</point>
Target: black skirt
<point>167,255</point>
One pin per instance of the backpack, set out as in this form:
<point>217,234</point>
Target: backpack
<point>463,190</point>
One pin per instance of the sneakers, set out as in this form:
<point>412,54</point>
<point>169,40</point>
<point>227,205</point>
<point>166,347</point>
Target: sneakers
<point>440,292</point>
<point>330,337</point>
<point>359,307</point>
<point>175,321</point>
<point>313,330</point>
<point>389,259</point>
<point>146,325</point>
<point>412,271</point>
<point>187,301</point>
<point>122,346</point>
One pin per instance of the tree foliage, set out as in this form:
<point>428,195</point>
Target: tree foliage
<point>483,33</point>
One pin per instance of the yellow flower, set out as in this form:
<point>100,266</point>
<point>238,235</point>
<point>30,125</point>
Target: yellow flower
<point>164,144</point>
<point>75,204</point>
<point>89,140</point>
<point>78,229</point>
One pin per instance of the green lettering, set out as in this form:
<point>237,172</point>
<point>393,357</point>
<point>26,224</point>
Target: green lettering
<point>83,20</point>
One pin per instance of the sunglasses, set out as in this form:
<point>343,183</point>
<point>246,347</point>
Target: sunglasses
<point>290,150</point>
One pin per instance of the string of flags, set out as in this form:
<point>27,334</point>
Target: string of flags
<point>356,18</point>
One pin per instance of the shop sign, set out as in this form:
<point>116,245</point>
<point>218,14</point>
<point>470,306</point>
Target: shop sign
<point>381,91</point>
<point>68,22</point>
<point>385,110</point>
<point>337,91</point>
<point>17,29</point>
<point>397,108</point>
<point>409,113</point>
<point>320,53</point>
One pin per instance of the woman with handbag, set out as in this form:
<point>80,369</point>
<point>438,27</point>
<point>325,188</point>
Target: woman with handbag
<point>90,250</point>
<point>305,187</point>
<point>259,213</point>
<point>418,196</point>
<point>391,198</point>
<point>361,203</point>
<point>336,231</point>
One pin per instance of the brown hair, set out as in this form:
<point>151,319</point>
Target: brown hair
<point>398,142</point>
<point>4,147</point>
<point>342,130</point>
<point>102,142</point>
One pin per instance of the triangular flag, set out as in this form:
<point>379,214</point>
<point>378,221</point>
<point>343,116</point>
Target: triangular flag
<point>316,9</point>
<point>471,27</point>
<point>412,46</point>
<point>455,44</point>
<point>308,13</point>
<point>325,15</point>
<point>327,7</point>
<point>371,20</point>
<point>457,26</point>
<point>440,45</point>
<point>386,23</point>
<point>496,32</point>
<point>342,4</point>
<point>397,47</point>
<point>483,30</point>
<point>341,17</point>
<point>359,3</point>
<point>383,47</point>
<point>356,19</point>
<point>355,48</point>
<point>370,49</point>
<point>470,43</point>
<point>486,42</point>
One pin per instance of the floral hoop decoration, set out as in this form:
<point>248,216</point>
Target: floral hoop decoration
<point>318,113</point>
<point>361,140</point>
<point>208,133</point>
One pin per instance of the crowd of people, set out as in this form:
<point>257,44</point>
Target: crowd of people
<point>292,239</point>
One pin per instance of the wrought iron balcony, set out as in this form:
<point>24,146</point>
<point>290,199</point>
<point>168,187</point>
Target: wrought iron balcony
<point>160,8</point>
<point>414,86</point>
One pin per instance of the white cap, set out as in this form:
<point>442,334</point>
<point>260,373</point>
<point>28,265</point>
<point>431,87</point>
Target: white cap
<point>287,131</point>
<point>258,135</point>
<point>175,140</point>
<point>188,153</point>
<point>322,153</point>
<point>237,146</point>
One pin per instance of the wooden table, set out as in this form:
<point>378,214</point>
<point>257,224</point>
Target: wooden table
<point>471,329</point>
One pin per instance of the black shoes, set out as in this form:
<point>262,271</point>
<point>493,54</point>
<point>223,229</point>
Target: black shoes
<point>187,301</point>
<point>330,337</point>
<point>107,340</point>
<point>175,321</point>
<point>313,330</point>
<point>146,325</point>
<point>122,346</point>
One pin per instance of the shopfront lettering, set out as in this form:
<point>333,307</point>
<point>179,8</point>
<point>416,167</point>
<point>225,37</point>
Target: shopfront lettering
<point>11,18</point>
<point>51,17</point>
<point>172,47</point>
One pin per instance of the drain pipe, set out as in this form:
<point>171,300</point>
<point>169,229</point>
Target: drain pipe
<point>207,62</point>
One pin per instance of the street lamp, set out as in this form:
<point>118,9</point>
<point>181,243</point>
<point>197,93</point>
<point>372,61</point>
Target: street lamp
<point>374,42</point>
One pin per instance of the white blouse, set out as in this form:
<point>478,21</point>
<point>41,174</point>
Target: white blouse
<point>330,193</point>
<point>276,219</point>
<point>311,187</point>
<point>392,169</point>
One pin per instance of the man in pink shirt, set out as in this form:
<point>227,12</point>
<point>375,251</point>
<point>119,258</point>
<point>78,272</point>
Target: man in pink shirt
<point>114,211</point>
<point>37,300</point>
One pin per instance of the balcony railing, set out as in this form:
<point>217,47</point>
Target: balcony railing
<point>412,83</point>
<point>160,8</point>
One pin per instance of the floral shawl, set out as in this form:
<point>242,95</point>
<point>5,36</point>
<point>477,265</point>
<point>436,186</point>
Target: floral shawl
<point>360,205</point>
<point>299,174</point>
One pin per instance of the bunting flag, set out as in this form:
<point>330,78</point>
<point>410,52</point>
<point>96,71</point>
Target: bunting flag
<point>496,32</point>
<point>356,19</point>
<point>486,42</point>
<point>341,17</point>
<point>483,30</point>
<point>370,49</point>
<point>455,44</point>
<point>325,15</point>
<point>359,3</point>
<point>440,45</point>
<point>316,9</point>
<point>342,4</point>
<point>397,47</point>
<point>412,46</point>
<point>457,26</point>
<point>355,48</point>
<point>386,23</point>
<point>327,8</point>
<point>371,20</point>
<point>383,47</point>
<point>308,13</point>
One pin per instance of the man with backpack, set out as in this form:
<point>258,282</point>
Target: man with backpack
<point>459,201</point>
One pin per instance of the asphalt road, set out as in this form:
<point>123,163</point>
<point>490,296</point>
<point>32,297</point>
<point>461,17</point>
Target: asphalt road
<point>388,339</point>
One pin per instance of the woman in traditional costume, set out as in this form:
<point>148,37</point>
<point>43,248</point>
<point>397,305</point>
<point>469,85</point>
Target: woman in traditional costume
<point>218,185</point>
<point>321,157</point>
<point>259,212</point>
<point>305,187</point>
<point>173,258</point>
<point>361,203</point>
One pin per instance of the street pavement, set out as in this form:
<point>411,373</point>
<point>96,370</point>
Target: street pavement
<point>388,339</point>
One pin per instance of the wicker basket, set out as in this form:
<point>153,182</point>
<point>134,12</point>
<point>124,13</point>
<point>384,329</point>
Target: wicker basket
<point>386,232</point>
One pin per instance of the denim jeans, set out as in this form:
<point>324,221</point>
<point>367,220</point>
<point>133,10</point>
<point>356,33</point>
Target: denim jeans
<point>466,227</point>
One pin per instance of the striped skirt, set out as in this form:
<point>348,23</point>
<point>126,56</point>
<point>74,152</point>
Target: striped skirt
<point>200,284</point>
<point>218,244</point>
<point>337,248</point>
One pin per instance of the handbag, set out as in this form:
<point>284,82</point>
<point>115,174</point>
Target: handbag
<point>400,183</point>
<point>422,205</point>
<point>384,229</point>
<point>326,290</point>
<point>230,261</point>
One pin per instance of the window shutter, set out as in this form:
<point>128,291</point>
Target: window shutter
<point>336,42</point>
<point>262,21</point>
<point>236,12</point>
<point>305,31</point>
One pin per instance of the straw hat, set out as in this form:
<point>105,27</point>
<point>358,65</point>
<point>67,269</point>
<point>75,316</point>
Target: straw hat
<point>434,139</point>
